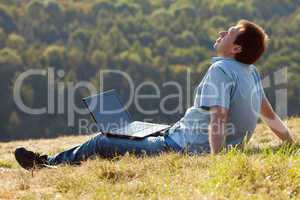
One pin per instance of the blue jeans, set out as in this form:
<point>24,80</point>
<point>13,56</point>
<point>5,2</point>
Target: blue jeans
<point>108,147</point>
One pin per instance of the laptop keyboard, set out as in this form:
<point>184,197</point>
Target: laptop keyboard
<point>134,128</point>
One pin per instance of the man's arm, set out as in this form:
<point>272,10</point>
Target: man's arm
<point>217,127</point>
<point>274,122</point>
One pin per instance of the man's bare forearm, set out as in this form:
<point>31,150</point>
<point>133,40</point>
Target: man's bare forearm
<point>274,122</point>
<point>217,128</point>
<point>279,128</point>
<point>216,141</point>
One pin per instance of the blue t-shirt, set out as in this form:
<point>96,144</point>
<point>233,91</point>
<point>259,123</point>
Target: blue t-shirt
<point>229,84</point>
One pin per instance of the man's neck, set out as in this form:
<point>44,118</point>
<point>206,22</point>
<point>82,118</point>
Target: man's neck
<point>225,56</point>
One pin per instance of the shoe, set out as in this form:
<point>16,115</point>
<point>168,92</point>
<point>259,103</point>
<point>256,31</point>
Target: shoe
<point>30,160</point>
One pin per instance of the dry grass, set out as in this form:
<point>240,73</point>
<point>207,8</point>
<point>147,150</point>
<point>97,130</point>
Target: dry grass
<point>261,171</point>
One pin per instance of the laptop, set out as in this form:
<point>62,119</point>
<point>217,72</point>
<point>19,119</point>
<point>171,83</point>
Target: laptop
<point>113,119</point>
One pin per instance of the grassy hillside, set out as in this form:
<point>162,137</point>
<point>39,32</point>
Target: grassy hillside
<point>261,171</point>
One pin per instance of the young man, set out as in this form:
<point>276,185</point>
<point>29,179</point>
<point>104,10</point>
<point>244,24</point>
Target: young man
<point>228,102</point>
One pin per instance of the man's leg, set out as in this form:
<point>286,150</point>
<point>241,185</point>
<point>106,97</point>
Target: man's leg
<point>108,147</point>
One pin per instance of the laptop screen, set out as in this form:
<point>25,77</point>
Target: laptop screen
<point>107,111</point>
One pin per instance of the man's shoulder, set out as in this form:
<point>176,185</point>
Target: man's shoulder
<point>253,67</point>
<point>223,66</point>
<point>254,70</point>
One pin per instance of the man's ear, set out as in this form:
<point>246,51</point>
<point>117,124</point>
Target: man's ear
<point>237,49</point>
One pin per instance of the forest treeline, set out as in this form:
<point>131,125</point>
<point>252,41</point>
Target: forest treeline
<point>155,41</point>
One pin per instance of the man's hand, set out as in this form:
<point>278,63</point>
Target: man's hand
<point>274,122</point>
<point>217,128</point>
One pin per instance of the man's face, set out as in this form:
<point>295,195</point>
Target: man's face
<point>224,45</point>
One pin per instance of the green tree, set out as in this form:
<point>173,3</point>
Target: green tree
<point>6,20</point>
<point>55,56</point>
<point>15,41</point>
